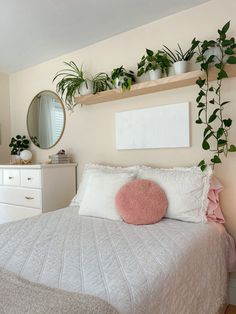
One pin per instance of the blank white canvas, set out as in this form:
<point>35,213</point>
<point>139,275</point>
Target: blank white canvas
<point>156,127</point>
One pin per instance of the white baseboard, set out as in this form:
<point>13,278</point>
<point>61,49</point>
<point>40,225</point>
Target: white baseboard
<point>232,291</point>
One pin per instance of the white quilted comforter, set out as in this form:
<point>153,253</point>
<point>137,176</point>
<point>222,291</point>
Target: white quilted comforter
<point>171,267</point>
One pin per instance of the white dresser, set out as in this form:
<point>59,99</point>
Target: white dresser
<point>29,190</point>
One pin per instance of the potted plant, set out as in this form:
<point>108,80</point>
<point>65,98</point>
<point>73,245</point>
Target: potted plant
<point>154,63</point>
<point>101,83</point>
<point>17,145</point>
<point>121,78</point>
<point>179,58</point>
<point>72,82</point>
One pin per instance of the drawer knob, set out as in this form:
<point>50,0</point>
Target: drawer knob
<point>29,197</point>
<point>28,179</point>
<point>10,178</point>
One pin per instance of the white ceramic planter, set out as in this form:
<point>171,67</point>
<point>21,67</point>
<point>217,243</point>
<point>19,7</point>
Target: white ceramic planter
<point>154,74</point>
<point>214,51</point>
<point>118,82</point>
<point>83,90</point>
<point>181,67</point>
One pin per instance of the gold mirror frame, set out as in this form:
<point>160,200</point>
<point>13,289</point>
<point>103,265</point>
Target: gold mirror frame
<point>64,116</point>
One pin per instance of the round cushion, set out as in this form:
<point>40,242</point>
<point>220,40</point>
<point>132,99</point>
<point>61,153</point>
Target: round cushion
<point>141,202</point>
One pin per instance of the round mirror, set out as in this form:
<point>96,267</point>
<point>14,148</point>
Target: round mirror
<point>46,119</point>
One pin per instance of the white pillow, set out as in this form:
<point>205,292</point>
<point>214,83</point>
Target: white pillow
<point>186,190</point>
<point>99,196</point>
<point>94,168</point>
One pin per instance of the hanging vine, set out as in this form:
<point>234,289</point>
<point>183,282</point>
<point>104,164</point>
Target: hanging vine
<point>214,53</point>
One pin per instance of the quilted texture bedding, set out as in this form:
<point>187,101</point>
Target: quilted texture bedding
<point>167,268</point>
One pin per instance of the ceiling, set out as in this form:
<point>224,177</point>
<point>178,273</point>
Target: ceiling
<point>34,31</point>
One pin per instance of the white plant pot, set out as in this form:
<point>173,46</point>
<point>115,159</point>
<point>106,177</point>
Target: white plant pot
<point>181,67</point>
<point>214,51</point>
<point>154,74</point>
<point>83,90</point>
<point>118,82</point>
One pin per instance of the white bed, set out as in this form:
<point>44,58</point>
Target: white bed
<point>166,268</point>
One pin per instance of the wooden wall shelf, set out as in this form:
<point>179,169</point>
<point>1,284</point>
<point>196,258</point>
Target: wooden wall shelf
<point>148,87</point>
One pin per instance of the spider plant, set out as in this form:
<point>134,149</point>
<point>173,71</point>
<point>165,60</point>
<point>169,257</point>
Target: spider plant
<point>70,82</point>
<point>101,83</point>
<point>179,55</point>
<point>122,78</point>
<point>154,61</point>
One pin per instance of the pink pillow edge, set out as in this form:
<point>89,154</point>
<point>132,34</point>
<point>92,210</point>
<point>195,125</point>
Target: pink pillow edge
<point>214,212</point>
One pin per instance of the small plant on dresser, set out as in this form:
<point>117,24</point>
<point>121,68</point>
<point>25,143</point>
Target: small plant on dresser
<point>18,144</point>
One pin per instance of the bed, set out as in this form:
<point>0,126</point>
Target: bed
<point>169,267</point>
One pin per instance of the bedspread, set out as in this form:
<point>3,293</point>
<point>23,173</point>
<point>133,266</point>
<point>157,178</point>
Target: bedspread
<point>166,268</point>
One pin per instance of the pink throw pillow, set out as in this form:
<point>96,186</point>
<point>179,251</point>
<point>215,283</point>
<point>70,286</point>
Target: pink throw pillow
<point>141,202</point>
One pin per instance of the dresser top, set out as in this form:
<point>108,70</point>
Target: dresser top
<point>38,166</point>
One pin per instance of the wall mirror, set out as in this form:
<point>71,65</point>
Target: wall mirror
<point>46,119</point>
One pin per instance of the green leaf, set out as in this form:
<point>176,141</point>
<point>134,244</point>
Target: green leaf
<point>218,65</point>
<point>216,159</point>
<point>229,51</point>
<point>226,27</point>
<point>201,105</point>
<point>222,74</point>
<point>200,111</point>
<point>212,101</point>
<point>224,103</point>
<point>204,66</point>
<point>199,121</point>
<point>205,145</point>
<point>212,118</point>
<point>202,162</point>
<point>200,95</point>
<point>203,167</point>
<point>149,52</point>
<point>220,132</point>
<point>227,122</point>
<point>226,43</point>
<point>207,129</point>
<point>222,143</point>
<point>232,149</point>
<point>200,82</point>
<point>231,60</point>
<point>208,136</point>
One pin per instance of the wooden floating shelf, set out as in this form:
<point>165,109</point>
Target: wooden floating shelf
<point>148,87</point>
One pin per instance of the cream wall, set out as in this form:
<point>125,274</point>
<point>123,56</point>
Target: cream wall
<point>90,131</point>
<point>4,118</point>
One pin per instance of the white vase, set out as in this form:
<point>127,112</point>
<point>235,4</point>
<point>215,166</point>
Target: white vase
<point>84,90</point>
<point>181,67</point>
<point>154,74</point>
<point>118,82</point>
<point>216,52</point>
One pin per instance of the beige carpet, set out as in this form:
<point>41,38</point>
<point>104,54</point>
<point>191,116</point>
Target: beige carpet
<point>20,296</point>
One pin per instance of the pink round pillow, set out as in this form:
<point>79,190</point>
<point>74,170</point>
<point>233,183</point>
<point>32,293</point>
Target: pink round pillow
<point>141,202</point>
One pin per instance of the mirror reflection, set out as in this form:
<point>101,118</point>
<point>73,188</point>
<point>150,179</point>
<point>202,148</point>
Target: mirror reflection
<point>46,119</point>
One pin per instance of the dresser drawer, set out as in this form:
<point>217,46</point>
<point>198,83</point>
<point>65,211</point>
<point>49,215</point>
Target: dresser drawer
<point>20,196</point>
<point>11,177</point>
<point>30,178</point>
<point>1,176</point>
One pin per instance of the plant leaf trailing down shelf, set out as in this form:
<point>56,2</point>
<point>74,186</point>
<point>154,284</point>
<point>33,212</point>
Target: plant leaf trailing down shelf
<point>148,87</point>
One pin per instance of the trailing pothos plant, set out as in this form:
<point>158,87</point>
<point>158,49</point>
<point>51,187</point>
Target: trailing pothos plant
<point>217,54</point>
